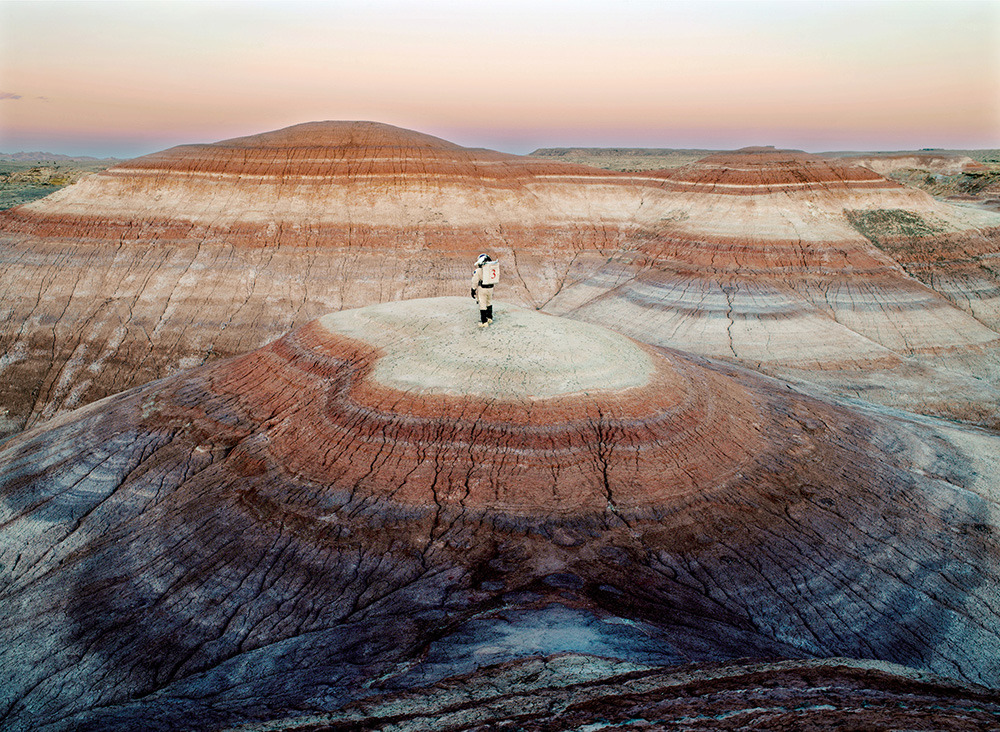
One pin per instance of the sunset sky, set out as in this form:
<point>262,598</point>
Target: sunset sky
<point>128,78</point>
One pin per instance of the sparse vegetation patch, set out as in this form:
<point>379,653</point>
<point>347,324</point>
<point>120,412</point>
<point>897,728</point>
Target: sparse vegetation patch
<point>26,181</point>
<point>974,183</point>
<point>628,160</point>
<point>894,230</point>
<point>881,223</point>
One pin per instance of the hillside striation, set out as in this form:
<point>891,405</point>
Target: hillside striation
<point>798,266</point>
<point>204,251</point>
<point>389,497</point>
<point>814,270</point>
<point>570,692</point>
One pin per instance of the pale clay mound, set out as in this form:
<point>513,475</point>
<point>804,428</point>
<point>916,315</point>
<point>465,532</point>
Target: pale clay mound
<point>433,346</point>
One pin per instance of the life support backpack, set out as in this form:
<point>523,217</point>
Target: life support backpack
<point>491,272</point>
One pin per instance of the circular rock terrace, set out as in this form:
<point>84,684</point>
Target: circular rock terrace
<point>535,414</point>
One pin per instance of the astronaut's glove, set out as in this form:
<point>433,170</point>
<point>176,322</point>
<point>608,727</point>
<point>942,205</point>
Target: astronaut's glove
<point>473,293</point>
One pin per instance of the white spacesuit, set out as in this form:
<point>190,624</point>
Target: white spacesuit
<point>487,274</point>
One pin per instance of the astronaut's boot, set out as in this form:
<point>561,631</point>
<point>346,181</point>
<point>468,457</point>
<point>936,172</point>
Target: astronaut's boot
<point>483,318</point>
<point>489,315</point>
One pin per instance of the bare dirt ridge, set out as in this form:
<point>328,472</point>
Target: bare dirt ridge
<point>286,530</point>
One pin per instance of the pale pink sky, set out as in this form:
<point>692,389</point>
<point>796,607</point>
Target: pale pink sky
<point>126,78</point>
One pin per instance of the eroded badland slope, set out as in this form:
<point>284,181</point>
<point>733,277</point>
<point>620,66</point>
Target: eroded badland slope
<point>342,521</point>
<point>264,471</point>
<point>798,266</point>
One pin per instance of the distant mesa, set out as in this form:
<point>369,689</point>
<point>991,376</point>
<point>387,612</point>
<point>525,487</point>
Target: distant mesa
<point>37,156</point>
<point>802,267</point>
<point>755,170</point>
<point>390,496</point>
<point>934,162</point>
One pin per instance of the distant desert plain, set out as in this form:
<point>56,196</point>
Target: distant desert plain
<point>727,457</point>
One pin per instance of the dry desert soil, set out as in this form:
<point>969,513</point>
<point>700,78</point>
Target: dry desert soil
<point>728,456</point>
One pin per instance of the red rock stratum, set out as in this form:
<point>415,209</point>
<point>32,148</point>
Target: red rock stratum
<point>792,264</point>
<point>389,496</point>
<point>204,251</point>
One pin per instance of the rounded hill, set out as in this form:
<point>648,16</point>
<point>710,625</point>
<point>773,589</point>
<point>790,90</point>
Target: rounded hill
<point>340,134</point>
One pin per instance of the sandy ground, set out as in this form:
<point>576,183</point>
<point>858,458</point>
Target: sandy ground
<point>435,345</point>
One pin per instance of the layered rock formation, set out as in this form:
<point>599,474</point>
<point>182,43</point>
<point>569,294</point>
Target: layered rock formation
<point>572,692</point>
<point>949,176</point>
<point>807,268</point>
<point>390,496</point>
<point>780,260</point>
<point>211,250</point>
